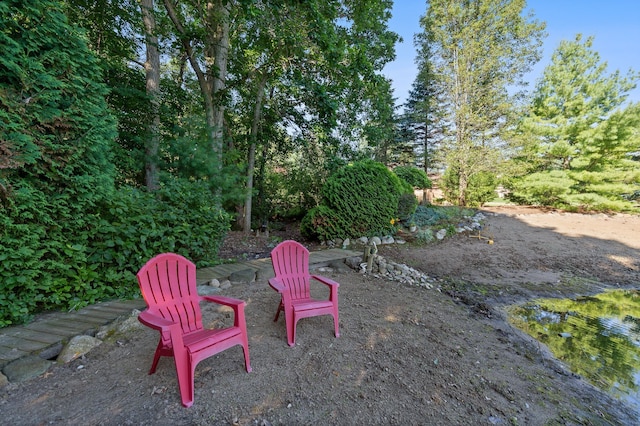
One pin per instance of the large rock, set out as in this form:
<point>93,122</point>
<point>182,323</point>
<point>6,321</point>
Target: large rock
<point>265,274</point>
<point>353,262</point>
<point>207,290</point>
<point>130,323</point>
<point>388,240</point>
<point>121,325</point>
<point>340,266</point>
<point>77,347</point>
<point>26,368</point>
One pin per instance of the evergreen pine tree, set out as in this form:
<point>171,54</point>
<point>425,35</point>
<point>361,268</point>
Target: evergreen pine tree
<point>55,139</point>
<point>580,136</point>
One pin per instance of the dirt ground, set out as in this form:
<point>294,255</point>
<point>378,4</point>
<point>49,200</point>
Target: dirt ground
<point>406,355</point>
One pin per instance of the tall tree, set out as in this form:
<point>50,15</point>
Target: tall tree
<point>203,31</point>
<point>314,58</point>
<point>421,115</point>
<point>152,71</point>
<point>480,49</point>
<point>423,110</point>
<point>366,105</point>
<point>272,38</point>
<point>580,136</point>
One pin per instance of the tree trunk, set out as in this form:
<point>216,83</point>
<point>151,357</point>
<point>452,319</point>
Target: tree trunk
<point>257,113</point>
<point>152,70</point>
<point>426,147</point>
<point>220,45</point>
<point>426,153</point>
<point>462,189</point>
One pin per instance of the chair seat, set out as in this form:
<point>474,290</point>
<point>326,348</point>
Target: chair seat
<point>305,305</point>
<point>202,339</point>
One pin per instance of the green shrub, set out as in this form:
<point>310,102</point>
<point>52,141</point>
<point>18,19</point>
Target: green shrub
<point>546,188</point>
<point>424,235</point>
<point>480,188</point>
<point>364,197</point>
<point>321,223</point>
<point>180,217</point>
<point>573,191</point>
<point>48,264</point>
<point>407,202</point>
<point>428,216</point>
<point>414,176</point>
<point>407,205</point>
<point>425,216</point>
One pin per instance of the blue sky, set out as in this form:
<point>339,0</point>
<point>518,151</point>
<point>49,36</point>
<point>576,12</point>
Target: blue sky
<point>615,25</point>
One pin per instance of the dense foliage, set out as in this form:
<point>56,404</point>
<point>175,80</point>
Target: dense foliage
<point>42,271</point>
<point>69,238</point>
<point>56,137</point>
<point>362,198</point>
<point>479,51</point>
<point>480,188</point>
<point>415,177</point>
<point>57,132</point>
<point>577,145</point>
<point>127,128</point>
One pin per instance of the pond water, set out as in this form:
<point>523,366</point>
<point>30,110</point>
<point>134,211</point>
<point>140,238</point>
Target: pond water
<point>597,337</point>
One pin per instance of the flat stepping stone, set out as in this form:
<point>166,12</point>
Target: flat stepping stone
<point>26,368</point>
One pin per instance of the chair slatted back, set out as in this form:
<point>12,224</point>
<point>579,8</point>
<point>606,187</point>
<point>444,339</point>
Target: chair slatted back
<point>290,261</point>
<point>168,286</point>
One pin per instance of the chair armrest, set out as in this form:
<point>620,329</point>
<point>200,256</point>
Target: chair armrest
<point>236,304</point>
<point>324,280</point>
<point>223,300</point>
<point>333,286</point>
<point>277,285</point>
<point>169,330</point>
<point>156,322</point>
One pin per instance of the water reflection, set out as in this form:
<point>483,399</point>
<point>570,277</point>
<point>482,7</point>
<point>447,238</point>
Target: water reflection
<point>597,337</point>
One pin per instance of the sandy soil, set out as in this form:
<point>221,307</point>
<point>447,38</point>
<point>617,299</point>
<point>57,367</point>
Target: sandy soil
<point>406,355</point>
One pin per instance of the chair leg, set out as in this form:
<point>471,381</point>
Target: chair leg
<point>290,324</point>
<point>185,372</point>
<point>245,350</point>
<point>336,324</point>
<point>156,358</point>
<point>280,308</point>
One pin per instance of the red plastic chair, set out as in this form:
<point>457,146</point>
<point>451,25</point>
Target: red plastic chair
<point>168,285</point>
<point>291,266</point>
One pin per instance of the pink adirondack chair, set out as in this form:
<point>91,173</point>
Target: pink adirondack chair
<point>291,266</point>
<point>168,285</point>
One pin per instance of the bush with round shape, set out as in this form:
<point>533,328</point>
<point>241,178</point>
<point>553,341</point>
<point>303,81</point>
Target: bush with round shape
<point>321,223</point>
<point>364,198</point>
<point>414,176</point>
